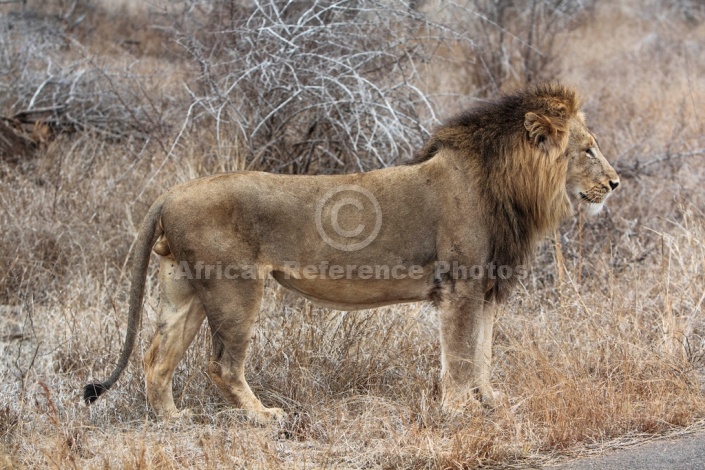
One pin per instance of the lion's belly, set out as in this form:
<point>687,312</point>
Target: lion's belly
<point>347,294</point>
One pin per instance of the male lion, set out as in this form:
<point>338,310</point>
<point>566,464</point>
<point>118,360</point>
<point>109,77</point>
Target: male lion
<point>453,226</point>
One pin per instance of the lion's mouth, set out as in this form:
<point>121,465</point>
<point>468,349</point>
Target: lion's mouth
<point>593,204</point>
<point>586,198</point>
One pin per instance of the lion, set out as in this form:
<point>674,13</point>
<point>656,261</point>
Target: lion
<point>454,226</point>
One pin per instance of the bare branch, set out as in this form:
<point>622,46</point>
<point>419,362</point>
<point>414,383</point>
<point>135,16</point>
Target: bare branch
<point>322,85</point>
<point>672,157</point>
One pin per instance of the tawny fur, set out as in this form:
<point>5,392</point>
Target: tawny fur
<point>480,193</point>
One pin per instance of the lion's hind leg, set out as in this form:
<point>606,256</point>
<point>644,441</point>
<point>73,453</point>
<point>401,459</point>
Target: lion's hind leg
<point>232,308</point>
<point>179,317</point>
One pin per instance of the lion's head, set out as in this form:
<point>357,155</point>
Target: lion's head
<point>590,179</point>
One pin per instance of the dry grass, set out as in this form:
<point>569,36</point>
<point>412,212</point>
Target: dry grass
<point>604,342</point>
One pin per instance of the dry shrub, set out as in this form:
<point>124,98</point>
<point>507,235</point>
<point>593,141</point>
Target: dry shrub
<point>14,147</point>
<point>513,42</point>
<point>54,84</point>
<point>316,86</point>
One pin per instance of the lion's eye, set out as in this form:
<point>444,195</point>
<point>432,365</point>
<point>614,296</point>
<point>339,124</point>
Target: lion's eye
<point>590,152</point>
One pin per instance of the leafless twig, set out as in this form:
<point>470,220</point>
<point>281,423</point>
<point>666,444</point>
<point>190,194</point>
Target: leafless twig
<point>318,85</point>
<point>671,157</point>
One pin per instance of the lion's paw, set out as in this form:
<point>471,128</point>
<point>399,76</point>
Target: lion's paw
<point>267,415</point>
<point>460,402</point>
<point>186,413</point>
<point>470,400</point>
<point>176,415</point>
<point>490,397</point>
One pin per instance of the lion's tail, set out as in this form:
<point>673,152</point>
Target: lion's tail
<point>148,233</point>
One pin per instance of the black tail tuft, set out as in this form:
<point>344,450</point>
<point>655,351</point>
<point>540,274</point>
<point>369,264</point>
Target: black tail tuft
<point>91,392</point>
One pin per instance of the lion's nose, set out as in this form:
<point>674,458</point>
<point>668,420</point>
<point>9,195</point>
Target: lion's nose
<point>614,184</point>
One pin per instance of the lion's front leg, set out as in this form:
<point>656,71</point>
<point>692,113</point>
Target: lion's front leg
<point>466,347</point>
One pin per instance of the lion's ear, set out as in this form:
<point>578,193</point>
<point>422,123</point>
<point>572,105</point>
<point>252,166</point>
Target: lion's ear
<point>544,132</point>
